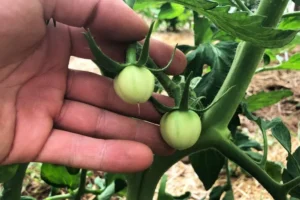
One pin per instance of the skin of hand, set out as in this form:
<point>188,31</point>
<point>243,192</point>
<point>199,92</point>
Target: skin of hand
<point>51,114</point>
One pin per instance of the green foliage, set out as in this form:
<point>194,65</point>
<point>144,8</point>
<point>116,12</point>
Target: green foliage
<point>265,99</point>
<point>58,176</point>
<point>163,195</point>
<point>292,171</point>
<point>7,172</point>
<point>207,164</point>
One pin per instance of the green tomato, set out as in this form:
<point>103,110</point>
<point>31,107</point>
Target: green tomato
<point>180,129</point>
<point>134,84</point>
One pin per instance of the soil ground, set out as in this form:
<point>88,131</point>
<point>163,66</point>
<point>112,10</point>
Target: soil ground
<point>181,177</point>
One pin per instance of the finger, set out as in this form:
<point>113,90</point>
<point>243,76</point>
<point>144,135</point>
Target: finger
<point>98,91</point>
<point>109,19</point>
<point>69,149</point>
<point>99,123</point>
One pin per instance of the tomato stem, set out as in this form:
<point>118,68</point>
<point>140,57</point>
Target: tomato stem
<point>12,188</point>
<point>184,103</point>
<point>243,68</point>
<point>131,54</point>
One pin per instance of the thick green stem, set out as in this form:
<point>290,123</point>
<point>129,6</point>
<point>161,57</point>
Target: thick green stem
<point>13,188</point>
<point>243,68</point>
<point>81,189</point>
<point>236,155</point>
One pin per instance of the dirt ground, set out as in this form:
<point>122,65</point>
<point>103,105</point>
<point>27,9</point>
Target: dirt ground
<point>181,177</point>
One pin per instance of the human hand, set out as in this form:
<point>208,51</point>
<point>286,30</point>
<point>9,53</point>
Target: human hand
<point>49,113</point>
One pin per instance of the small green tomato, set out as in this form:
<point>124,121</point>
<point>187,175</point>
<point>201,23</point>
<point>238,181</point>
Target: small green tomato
<point>134,84</point>
<point>180,129</point>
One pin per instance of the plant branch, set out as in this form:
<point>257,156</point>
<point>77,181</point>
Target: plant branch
<point>208,140</point>
<point>81,189</point>
<point>263,161</point>
<point>242,6</point>
<point>13,187</point>
<point>243,68</point>
<point>291,184</point>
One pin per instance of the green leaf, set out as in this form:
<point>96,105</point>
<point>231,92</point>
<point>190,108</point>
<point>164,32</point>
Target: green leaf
<point>265,99</point>
<point>58,176</point>
<point>286,177</point>
<point>207,165</point>
<point>292,171</point>
<point>282,134</point>
<point>163,195</point>
<point>239,24</point>
<point>170,11</point>
<point>219,57</point>
<point>292,64</point>
<point>73,170</point>
<point>248,27</point>
<point>274,170</point>
<point>202,4</point>
<point>216,193</point>
<point>290,23</point>
<point>245,143</point>
<point>202,31</point>
<point>7,172</point>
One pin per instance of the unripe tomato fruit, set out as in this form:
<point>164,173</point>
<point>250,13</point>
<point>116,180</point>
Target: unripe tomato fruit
<point>180,129</point>
<point>134,84</point>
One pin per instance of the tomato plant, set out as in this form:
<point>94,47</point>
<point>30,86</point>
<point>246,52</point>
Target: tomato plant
<point>231,38</point>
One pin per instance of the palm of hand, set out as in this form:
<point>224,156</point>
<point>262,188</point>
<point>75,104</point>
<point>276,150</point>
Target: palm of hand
<point>51,114</point>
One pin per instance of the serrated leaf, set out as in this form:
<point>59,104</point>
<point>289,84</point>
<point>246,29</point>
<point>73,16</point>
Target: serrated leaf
<point>282,134</point>
<point>249,28</point>
<point>7,172</point>
<point>292,64</point>
<point>219,57</point>
<point>207,165</point>
<point>265,99</point>
<point>58,176</point>
<point>239,24</point>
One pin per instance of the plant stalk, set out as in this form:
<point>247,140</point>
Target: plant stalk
<point>13,188</point>
<point>243,68</point>
<point>81,189</point>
